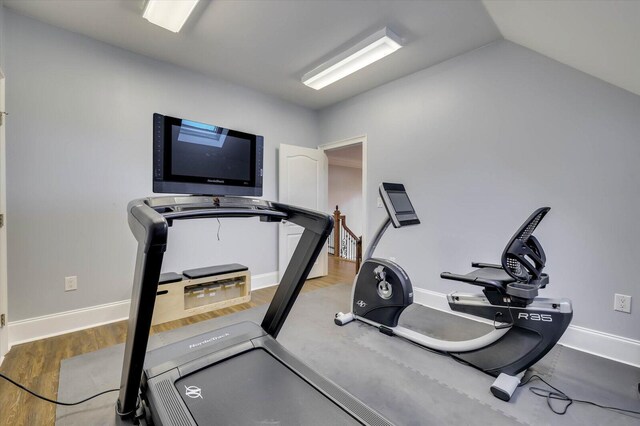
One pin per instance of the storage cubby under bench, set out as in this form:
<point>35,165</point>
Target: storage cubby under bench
<point>201,290</point>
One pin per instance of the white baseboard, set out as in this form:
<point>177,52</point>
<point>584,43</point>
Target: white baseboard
<point>31,329</point>
<point>264,280</point>
<point>602,344</point>
<point>595,342</point>
<point>605,345</point>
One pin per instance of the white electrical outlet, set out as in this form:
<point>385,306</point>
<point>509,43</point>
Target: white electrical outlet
<point>70,283</point>
<point>622,303</point>
<point>379,202</point>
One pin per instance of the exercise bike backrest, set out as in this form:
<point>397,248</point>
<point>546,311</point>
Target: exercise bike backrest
<point>523,257</point>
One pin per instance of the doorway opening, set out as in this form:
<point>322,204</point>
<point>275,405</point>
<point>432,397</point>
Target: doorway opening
<point>346,201</point>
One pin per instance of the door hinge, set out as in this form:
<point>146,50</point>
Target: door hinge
<point>2,114</point>
<point>1,220</point>
<point>3,320</point>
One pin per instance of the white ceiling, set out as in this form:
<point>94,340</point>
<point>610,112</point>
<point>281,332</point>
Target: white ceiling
<point>601,38</point>
<point>269,44</point>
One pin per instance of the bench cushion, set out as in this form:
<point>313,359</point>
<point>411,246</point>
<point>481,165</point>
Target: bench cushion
<point>214,270</point>
<point>169,277</point>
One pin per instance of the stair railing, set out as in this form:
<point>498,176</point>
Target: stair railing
<point>349,246</point>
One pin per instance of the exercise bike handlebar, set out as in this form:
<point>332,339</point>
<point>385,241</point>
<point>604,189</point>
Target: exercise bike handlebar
<point>485,265</point>
<point>470,280</point>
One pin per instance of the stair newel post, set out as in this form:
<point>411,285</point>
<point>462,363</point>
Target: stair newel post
<point>358,254</point>
<point>336,232</point>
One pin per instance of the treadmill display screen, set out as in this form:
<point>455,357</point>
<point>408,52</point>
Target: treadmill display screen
<point>190,157</point>
<point>207,152</point>
<point>400,202</point>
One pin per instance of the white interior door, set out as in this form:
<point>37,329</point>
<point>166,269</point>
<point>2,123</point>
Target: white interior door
<point>303,182</point>
<point>4,334</point>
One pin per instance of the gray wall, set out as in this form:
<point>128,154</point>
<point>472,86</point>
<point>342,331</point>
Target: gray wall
<point>1,35</point>
<point>79,148</point>
<point>345,191</point>
<point>483,139</point>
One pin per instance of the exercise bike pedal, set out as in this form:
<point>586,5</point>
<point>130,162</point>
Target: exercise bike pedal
<point>504,386</point>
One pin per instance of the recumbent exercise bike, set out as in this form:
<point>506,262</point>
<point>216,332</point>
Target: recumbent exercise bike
<point>525,326</point>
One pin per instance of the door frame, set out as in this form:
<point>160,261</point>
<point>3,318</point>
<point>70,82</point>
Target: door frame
<point>4,305</point>
<point>362,139</point>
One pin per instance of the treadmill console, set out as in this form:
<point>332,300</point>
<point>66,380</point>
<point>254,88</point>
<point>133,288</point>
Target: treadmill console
<point>398,205</point>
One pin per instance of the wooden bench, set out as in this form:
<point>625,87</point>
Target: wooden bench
<point>201,290</point>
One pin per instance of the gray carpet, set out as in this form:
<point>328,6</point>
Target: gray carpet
<point>406,384</point>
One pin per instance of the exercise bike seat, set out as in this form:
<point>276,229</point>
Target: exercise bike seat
<point>485,277</point>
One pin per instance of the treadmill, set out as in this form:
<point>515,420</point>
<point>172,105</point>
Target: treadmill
<point>235,375</point>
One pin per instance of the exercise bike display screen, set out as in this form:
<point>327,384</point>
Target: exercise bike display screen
<point>401,203</point>
<point>398,205</point>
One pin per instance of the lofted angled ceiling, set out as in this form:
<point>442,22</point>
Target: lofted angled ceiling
<point>601,38</point>
<point>268,45</point>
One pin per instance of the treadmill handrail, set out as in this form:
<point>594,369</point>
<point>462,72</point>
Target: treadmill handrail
<point>236,212</point>
<point>150,212</point>
<point>149,220</point>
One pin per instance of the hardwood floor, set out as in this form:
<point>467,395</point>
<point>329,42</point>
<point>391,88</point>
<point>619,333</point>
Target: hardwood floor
<point>36,365</point>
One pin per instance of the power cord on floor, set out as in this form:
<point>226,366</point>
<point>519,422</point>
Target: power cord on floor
<point>52,400</point>
<point>557,394</point>
<point>544,393</point>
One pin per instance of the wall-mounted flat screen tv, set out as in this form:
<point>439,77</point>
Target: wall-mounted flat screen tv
<point>197,158</point>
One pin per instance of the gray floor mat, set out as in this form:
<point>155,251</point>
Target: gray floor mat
<point>405,383</point>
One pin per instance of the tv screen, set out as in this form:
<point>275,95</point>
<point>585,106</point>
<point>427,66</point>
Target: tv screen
<point>190,157</point>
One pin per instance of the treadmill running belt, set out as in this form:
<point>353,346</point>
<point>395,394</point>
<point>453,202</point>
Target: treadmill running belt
<point>254,388</point>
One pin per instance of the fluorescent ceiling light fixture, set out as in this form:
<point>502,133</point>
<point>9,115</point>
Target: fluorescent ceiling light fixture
<point>169,14</point>
<point>368,51</point>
